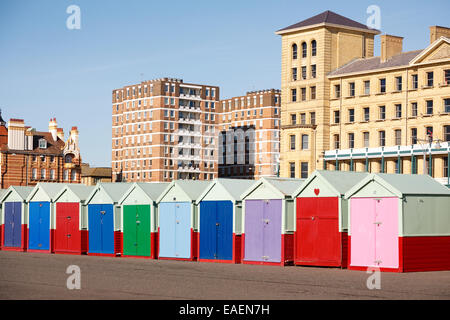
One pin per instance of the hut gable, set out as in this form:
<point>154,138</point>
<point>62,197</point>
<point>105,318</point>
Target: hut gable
<point>397,185</point>
<point>108,193</point>
<point>272,188</point>
<point>329,183</point>
<point>74,193</point>
<point>16,194</point>
<point>139,192</point>
<point>183,190</point>
<point>45,192</point>
<point>225,189</point>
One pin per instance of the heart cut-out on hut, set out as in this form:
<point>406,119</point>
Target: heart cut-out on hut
<point>317,191</point>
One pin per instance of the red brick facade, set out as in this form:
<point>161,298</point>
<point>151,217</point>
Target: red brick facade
<point>27,163</point>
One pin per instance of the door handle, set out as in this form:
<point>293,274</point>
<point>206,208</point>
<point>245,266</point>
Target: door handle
<point>312,218</point>
<point>102,212</point>
<point>138,222</point>
<point>378,223</point>
<point>178,221</point>
<point>217,224</point>
<point>69,235</point>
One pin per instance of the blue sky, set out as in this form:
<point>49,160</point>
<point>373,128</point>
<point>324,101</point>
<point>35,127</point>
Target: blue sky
<point>47,70</point>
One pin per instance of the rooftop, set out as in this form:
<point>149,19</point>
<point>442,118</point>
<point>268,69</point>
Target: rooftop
<point>373,64</point>
<point>327,17</point>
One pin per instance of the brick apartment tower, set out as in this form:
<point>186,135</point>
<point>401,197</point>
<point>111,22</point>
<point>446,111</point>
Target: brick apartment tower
<point>165,129</point>
<point>28,156</point>
<point>249,140</point>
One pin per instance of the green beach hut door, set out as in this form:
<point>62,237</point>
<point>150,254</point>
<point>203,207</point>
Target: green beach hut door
<point>136,230</point>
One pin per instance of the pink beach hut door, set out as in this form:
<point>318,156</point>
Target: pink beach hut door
<point>374,237</point>
<point>386,226</point>
<point>362,252</point>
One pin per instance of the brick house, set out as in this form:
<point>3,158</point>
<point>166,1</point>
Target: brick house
<point>28,156</point>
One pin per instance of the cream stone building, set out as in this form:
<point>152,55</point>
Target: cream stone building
<point>344,109</point>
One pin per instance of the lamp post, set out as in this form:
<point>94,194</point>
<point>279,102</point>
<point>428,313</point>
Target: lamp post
<point>423,143</point>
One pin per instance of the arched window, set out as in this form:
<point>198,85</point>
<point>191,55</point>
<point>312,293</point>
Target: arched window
<point>294,51</point>
<point>313,48</point>
<point>304,50</point>
<point>68,158</point>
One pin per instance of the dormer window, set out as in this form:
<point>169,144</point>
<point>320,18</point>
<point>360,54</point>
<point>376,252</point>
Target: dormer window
<point>42,144</point>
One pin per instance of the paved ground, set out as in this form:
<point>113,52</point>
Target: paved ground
<point>43,276</point>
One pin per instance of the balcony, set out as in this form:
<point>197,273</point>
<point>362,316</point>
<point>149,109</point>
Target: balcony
<point>69,165</point>
<point>184,157</point>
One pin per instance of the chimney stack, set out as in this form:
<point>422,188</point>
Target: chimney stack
<point>60,133</point>
<point>436,32</point>
<point>16,134</point>
<point>53,128</point>
<point>390,46</point>
<point>74,135</point>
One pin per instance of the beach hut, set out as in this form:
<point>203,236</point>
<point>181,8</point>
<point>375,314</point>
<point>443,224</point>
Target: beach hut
<point>269,221</point>
<point>220,217</point>
<point>71,219</point>
<point>399,223</point>
<point>14,222</point>
<point>104,229</point>
<point>178,219</point>
<point>321,218</point>
<point>138,219</point>
<point>41,217</point>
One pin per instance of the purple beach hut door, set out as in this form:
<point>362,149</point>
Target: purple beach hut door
<point>263,230</point>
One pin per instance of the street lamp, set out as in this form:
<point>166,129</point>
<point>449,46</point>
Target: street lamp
<point>423,144</point>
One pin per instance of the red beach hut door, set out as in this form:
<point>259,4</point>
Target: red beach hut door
<point>68,237</point>
<point>317,235</point>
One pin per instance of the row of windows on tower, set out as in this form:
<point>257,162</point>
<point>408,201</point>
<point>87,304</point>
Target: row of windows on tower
<point>313,73</point>
<point>312,118</point>
<point>304,48</point>
<point>312,94</point>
